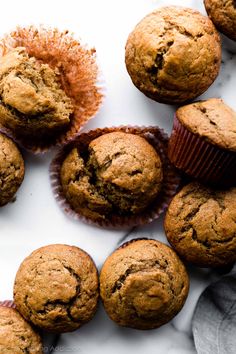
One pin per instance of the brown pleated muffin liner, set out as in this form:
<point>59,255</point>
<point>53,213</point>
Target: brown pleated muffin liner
<point>200,159</point>
<point>8,303</point>
<point>158,139</point>
<point>78,73</point>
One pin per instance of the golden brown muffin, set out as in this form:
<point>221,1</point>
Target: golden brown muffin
<point>223,15</point>
<point>200,224</point>
<point>173,55</point>
<point>56,288</point>
<point>120,173</point>
<point>203,142</point>
<point>143,284</point>
<point>16,335</point>
<point>11,169</point>
<point>32,102</point>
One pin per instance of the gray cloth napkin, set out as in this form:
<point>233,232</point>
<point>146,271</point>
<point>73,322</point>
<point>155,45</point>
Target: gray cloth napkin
<point>214,319</point>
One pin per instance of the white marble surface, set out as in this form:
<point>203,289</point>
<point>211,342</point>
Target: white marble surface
<point>34,219</point>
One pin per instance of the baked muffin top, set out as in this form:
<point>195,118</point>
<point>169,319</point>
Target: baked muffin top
<point>223,14</point>
<point>16,335</point>
<point>119,173</point>
<point>200,225</point>
<point>211,119</point>
<point>169,53</point>
<point>56,288</point>
<point>143,284</point>
<point>11,169</point>
<point>32,102</point>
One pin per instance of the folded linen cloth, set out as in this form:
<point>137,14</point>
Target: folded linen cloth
<point>214,319</point>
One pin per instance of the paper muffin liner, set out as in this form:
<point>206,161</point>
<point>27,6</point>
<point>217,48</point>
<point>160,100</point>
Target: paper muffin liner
<point>79,76</point>
<point>200,159</point>
<point>158,139</point>
<point>8,303</point>
<point>133,240</point>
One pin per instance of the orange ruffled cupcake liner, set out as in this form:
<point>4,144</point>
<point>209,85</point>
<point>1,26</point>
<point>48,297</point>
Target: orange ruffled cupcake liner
<point>78,74</point>
<point>158,139</point>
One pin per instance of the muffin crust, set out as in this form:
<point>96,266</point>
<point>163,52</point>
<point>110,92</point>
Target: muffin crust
<point>169,53</point>
<point>56,288</point>
<point>200,225</point>
<point>143,284</point>
<point>11,169</point>
<point>16,335</point>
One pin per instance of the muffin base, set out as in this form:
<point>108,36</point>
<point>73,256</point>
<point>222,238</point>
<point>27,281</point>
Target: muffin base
<point>200,159</point>
<point>171,179</point>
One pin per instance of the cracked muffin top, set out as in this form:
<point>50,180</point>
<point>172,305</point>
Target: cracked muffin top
<point>56,288</point>
<point>223,15</point>
<point>119,173</point>
<point>32,102</point>
<point>16,335</point>
<point>143,284</point>
<point>173,55</point>
<point>211,119</point>
<point>11,169</point>
<point>200,224</point>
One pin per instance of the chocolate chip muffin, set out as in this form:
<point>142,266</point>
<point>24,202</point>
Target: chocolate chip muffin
<point>203,142</point>
<point>118,173</point>
<point>143,284</point>
<point>173,55</point>
<point>223,15</point>
<point>11,169</point>
<point>56,288</point>
<point>32,102</point>
<point>200,225</point>
<point>16,335</point>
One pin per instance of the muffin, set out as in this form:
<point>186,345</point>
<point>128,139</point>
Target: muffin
<point>121,173</point>
<point>56,288</point>
<point>169,53</point>
<point>115,177</point>
<point>223,15</point>
<point>32,101</point>
<point>143,284</point>
<point>48,86</point>
<point>200,225</point>
<point>16,335</point>
<point>11,169</point>
<point>203,142</point>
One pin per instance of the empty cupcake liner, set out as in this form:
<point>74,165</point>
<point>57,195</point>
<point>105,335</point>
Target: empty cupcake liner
<point>199,158</point>
<point>158,139</point>
<point>79,75</point>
